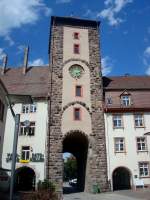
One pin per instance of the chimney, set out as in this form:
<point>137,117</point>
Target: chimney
<point>5,59</point>
<point>25,63</point>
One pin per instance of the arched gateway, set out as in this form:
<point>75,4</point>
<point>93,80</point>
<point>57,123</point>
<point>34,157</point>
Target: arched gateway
<point>76,103</point>
<point>121,179</point>
<point>24,179</point>
<point>76,143</point>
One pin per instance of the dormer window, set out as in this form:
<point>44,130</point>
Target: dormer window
<point>125,100</point>
<point>109,100</point>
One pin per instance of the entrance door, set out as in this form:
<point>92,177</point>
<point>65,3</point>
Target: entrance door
<point>25,179</point>
<point>121,179</point>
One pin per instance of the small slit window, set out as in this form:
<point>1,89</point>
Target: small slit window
<point>78,91</point>
<point>77,114</point>
<point>76,35</point>
<point>76,48</point>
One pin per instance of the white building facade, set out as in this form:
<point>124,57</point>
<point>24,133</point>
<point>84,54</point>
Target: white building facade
<point>127,127</point>
<point>31,149</point>
<point>3,110</point>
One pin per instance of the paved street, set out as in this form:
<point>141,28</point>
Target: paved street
<point>119,195</point>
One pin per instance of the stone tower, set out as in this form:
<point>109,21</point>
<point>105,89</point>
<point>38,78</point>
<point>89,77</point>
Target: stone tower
<point>76,118</point>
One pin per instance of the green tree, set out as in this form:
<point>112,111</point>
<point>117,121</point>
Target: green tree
<point>70,168</point>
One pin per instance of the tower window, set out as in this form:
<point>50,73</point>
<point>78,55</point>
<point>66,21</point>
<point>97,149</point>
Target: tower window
<point>77,114</point>
<point>76,35</point>
<point>76,48</point>
<point>78,92</point>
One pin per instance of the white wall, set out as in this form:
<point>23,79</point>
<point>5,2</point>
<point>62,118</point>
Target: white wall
<point>131,158</point>
<point>37,142</point>
<point>2,123</point>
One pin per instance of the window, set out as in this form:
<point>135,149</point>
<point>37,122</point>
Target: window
<point>76,48</point>
<point>138,120</point>
<point>25,153</point>
<point>77,114</point>
<point>109,100</point>
<point>29,108</point>
<point>1,110</point>
<point>141,144</point>
<point>125,100</point>
<point>144,169</point>
<point>29,131</point>
<point>76,35</point>
<point>117,121</point>
<point>119,145</point>
<point>78,91</point>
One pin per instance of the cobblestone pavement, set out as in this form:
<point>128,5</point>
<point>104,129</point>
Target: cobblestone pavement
<point>119,195</point>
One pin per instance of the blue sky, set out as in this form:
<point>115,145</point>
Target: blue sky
<point>125,31</point>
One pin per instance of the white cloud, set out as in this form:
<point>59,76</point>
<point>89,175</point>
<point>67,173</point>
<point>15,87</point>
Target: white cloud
<point>15,13</point>
<point>146,60</point>
<point>89,13</point>
<point>106,65</point>
<point>148,71</point>
<point>113,8</point>
<point>9,40</point>
<point>2,54</point>
<point>107,2</point>
<point>63,1</point>
<point>147,52</point>
<point>37,62</point>
<point>20,49</point>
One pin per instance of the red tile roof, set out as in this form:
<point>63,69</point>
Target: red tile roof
<point>126,82</point>
<point>34,82</point>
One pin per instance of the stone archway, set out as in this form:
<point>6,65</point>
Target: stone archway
<point>121,179</point>
<point>76,143</point>
<point>25,179</point>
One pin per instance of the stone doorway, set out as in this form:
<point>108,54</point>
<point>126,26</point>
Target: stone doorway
<point>121,179</point>
<point>76,143</point>
<point>24,179</point>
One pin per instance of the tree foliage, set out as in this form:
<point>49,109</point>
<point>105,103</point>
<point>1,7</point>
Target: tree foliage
<point>70,168</point>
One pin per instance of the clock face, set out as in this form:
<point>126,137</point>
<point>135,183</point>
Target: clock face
<point>76,71</point>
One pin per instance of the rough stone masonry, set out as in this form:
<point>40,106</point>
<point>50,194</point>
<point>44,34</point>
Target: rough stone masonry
<point>96,166</point>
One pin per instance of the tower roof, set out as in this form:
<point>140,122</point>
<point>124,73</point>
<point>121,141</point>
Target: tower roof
<point>74,21</point>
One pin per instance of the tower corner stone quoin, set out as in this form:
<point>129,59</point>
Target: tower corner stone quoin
<point>96,162</point>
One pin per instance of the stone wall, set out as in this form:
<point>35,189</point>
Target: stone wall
<point>54,140</point>
<point>96,169</point>
<point>96,173</point>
